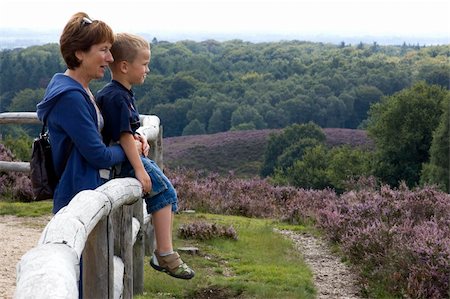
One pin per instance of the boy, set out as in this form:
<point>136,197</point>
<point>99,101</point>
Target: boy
<point>116,100</point>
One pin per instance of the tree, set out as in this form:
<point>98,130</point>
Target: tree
<point>436,73</point>
<point>364,96</point>
<point>216,123</point>
<point>279,143</point>
<point>295,152</point>
<point>402,126</point>
<point>26,100</point>
<point>346,163</point>
<point>336,113</point>
<point>195,127</point>
<point>201,109</point>
<point>20,143</point>
<point>181,87</point>
<point>173,117</point>
<point>246,114</point>
<point>437,171</point>
<point>311,171</point>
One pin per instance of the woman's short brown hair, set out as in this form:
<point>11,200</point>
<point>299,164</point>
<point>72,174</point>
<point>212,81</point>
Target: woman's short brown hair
<point>80,33</point>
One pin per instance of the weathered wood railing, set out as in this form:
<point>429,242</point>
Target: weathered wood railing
<point>107,227</point>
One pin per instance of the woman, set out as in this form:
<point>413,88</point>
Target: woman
<point>73,119</point>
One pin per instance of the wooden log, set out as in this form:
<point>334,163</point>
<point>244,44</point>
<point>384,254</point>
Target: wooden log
<point>149,126</point>
<point>135,227</point>
<point>118,277</point>
<point>122,191</point>
<point>15,166</point>
<point>97,263</point>
<point>116,219</point>
<point>127,251</point>
<point>31,118</point>
<point>149,234</point>
<point>138,247</point>
<point>19,118</point>
<point>152,130</point>
<point>65,228</point>
<point>48,271</point>
<point>158,152</point>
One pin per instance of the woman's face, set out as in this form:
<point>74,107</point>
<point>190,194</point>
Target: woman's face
<point>95,61</point>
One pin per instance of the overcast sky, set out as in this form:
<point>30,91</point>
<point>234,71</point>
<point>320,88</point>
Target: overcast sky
<point>354,17</point>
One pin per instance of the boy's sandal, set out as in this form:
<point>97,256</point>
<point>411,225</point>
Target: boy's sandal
<point>172,265</point>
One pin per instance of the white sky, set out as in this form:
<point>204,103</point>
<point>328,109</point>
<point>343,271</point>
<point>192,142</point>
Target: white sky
<point>353,17</point>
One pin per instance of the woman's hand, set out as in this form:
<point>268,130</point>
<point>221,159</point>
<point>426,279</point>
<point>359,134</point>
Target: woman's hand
<point>145,147</point>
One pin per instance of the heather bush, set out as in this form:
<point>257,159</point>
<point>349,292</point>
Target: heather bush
<point>226,195</point>
<point>401,237</point>
<point>303,205</point>
<point>202,230</point>
<point>13,185</point>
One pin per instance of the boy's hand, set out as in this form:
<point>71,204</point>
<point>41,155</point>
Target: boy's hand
<point>139,146</point>
<point>145,180</point>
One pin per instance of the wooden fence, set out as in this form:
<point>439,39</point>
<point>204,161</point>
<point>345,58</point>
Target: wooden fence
<point>107,231</point>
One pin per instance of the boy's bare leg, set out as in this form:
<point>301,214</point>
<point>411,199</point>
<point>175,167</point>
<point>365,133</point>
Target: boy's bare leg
<point>164,258</point>
<point>162,224</point>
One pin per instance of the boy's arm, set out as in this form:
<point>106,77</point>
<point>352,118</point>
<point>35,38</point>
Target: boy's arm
<point>128,144</point>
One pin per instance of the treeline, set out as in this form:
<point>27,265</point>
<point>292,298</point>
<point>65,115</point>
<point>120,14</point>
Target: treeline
<point>410,131</point>
<point>210,86</point>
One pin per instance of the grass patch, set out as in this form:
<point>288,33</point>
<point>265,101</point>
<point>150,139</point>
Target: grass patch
<point>26,209</point>
<point>260,264</point>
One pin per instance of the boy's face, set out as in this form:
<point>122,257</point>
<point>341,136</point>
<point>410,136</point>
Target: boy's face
<point>139,69</point>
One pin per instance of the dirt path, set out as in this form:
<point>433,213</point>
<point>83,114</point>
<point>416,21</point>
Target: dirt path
<point>332,278</point>
<point>17,236</point>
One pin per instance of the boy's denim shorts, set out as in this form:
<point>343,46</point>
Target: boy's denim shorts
<point>163,193</point>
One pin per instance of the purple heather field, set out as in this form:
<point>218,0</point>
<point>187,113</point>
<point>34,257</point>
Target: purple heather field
<point>400,237</point>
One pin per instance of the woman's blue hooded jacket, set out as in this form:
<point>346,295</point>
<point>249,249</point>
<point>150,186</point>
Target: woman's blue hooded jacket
<point>71,117</point>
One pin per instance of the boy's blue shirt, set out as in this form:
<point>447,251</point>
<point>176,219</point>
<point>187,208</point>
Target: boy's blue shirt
<point>71,116</point>
<point>119,111</point>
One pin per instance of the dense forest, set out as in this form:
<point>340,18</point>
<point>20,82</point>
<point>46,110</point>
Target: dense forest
<point>398,94</point>
<point>210,86</point>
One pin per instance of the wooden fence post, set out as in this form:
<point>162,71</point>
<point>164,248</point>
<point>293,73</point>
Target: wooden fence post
<point>97,262</point>
<point>138,249</point>
<point>127,250</point>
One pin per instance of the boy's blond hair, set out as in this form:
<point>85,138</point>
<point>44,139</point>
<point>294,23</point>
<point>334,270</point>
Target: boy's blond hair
<point>126,47</point>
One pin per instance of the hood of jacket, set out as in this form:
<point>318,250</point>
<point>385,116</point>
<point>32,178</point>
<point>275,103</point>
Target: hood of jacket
<point>59,84</point>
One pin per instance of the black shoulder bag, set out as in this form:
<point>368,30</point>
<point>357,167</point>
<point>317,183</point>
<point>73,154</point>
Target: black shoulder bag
<point>42,171</point>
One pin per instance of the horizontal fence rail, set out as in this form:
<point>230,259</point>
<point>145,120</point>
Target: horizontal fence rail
<point>150,128</point>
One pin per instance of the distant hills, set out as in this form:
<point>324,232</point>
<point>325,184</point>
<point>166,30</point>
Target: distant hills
<point>22,38</point>
<point>240,152</point>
